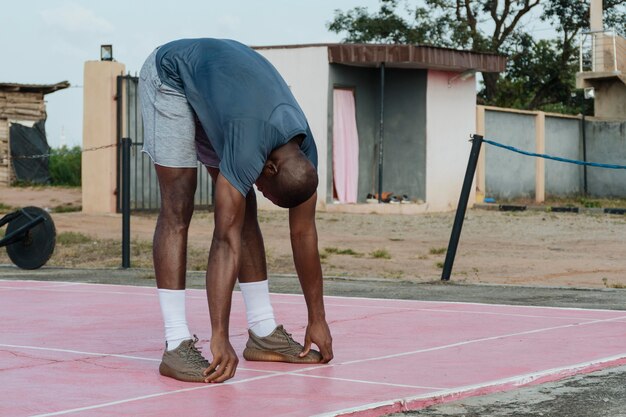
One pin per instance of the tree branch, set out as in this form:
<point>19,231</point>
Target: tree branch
<point>528,6</point>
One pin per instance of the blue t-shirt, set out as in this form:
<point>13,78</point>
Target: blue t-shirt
<point>242,102</point>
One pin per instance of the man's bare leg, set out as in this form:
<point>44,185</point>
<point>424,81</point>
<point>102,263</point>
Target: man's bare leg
<point>178,186</point>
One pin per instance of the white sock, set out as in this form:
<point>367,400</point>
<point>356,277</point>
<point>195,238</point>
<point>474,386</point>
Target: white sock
<point>174,318</point>
<point>259,312</point>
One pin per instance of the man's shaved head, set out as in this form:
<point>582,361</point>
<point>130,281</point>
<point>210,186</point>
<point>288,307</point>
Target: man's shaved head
<point>288,178</point>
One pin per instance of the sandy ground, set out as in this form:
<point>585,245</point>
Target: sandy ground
<point>523,248</point>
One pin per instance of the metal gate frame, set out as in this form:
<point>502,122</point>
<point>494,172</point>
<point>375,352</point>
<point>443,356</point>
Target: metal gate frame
<point>144,186</point>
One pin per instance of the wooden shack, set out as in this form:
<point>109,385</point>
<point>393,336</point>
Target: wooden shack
<point>20,103</point>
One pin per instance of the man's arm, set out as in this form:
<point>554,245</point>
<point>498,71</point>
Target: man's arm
<point>307,261</point>
<point>221,276</point>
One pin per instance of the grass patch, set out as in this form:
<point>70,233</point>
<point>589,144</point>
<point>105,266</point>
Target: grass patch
<point>393,274</point>
<point>5,208</point>
<point>396,239</point>
<point>73,238</point>
<point>337,251</point>
<point>437,251</point>
<point>439,265</point>
<point>67,208</point>
<point>590,203</point>
<point>197,259</point>
<point>605,281</point>
<point>381,254</point>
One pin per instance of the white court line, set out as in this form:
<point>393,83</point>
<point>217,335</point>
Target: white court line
<point>154,294</point>
<point>113,355</point>
<point>484,339</point>
<point>50,286</point>
<point>361,381</point>
<point>438,310</point>
<point>519,380</point>
<point>78,352</point>
<point>144,397</point>
<point>141,358</point>
<point>339,297</point>
<point>206,386</point>
<point>376,358</point>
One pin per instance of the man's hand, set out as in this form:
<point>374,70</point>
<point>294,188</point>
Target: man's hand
<point>224,362</point>
<point>319,333</point>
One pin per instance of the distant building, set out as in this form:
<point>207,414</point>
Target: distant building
<point>24,105</point>
<point>387,119</point>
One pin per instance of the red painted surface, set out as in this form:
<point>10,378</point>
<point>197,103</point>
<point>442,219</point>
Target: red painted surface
<point>94,350</point>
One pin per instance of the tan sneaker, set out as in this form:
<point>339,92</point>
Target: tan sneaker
<point>279,346</point>
<point>184,363</point>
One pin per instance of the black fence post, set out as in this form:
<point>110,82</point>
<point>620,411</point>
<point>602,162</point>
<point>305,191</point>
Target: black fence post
<point>477,141</point>
<point>126,144</point>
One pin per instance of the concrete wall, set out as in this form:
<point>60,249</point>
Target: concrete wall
<point>450,119</point>
<point>606,143</point>
<point>562,139</point>
<point>99,168</point>
<point>306,72</point>
<point>508,174</point>
<point>610,102</point>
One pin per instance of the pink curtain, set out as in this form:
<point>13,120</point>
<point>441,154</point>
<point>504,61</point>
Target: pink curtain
<point>345,146</point>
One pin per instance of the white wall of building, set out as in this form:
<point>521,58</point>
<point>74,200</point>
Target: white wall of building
<point>306,72</point>
<point>450,119</point>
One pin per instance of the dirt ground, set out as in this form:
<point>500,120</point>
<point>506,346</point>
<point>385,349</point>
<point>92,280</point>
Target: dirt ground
<point>519,248</point>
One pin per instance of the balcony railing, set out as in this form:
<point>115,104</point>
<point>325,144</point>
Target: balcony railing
<point>602,51</point>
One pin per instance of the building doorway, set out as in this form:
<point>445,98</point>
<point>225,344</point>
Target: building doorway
<point>345,147</point>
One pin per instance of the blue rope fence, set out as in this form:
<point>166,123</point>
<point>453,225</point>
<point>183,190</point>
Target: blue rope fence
<point>554,158</point>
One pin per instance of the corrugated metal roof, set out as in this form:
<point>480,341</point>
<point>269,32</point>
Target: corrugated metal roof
<point>34,88</point>
<point>407,56</point>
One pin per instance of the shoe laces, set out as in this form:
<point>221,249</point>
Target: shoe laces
<point>193,353</point>
<point>288,336</point>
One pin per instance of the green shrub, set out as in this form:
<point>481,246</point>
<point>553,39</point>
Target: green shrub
<point>64,166</point>
<point>381,254</point>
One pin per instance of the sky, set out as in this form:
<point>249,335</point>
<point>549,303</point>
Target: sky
<point>47,41</point>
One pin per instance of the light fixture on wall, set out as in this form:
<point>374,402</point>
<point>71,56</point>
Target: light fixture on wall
<point>106,52</point>
<point>462,76</point>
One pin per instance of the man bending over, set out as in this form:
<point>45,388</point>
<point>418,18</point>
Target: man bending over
<point>222,103</point>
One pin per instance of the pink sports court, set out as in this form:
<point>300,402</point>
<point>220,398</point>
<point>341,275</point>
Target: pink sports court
<point>94,350</point>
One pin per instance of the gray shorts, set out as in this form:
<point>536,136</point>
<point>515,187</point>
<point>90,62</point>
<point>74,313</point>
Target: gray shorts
<point>172,134</point>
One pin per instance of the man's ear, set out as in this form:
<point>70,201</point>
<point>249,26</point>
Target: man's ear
<point>270,169</point>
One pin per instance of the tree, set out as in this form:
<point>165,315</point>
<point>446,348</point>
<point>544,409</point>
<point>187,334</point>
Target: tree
<point>540,73</point>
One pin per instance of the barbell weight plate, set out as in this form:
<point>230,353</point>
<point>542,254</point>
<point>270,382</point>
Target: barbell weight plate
<point>36,248</point>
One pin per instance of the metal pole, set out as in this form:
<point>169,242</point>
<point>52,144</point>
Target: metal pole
<point>585,189</point>
<point>477,141</point>
<point>126,143</point>
<point>381,133</point>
